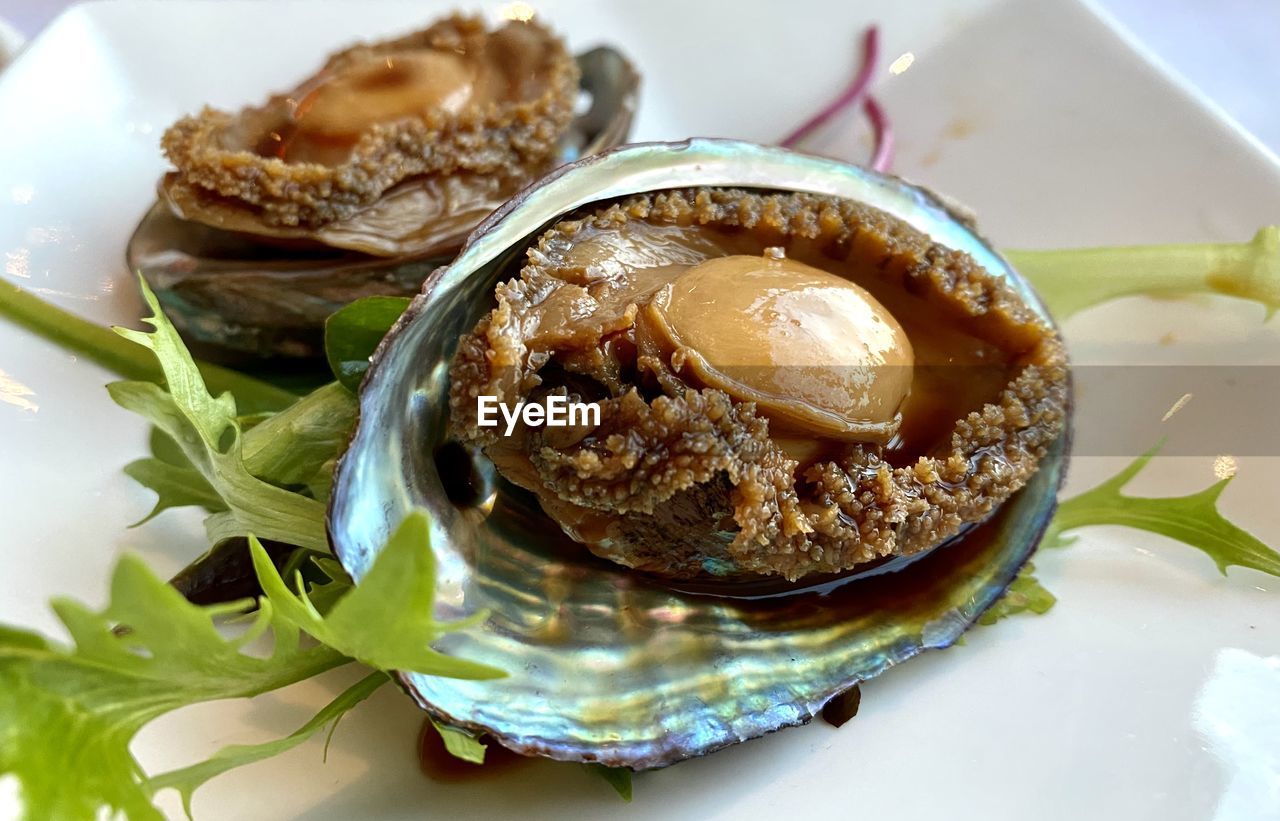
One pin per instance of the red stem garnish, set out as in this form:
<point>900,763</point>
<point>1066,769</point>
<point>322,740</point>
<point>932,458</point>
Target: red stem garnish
<point>850,96</point>
<point>882,156</point>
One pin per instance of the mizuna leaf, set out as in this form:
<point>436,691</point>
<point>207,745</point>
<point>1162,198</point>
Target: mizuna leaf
<point>189,779</point>
<point>1193,520</point>
<point>296,446</point>
<point>1025,595</point>
<point>68,714</point>
<point>174,486</point>
<point>387,620</point>
<point>100,345</point>
<point>352,333</point>
<point>616,777</point>
<point>459,743</point>
<point>290,447</point>
<point>205,427</point>
<point>1073,279</point>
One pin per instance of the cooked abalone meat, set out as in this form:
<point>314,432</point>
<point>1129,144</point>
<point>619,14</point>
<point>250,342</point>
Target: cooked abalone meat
<point>788,383</point>
<point>364,176</point>
<point>398,147</point>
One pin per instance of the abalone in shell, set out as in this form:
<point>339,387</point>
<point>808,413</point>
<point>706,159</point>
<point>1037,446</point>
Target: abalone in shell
<point>364,177</point>
<point>703,469</point>
<point>788,383</point>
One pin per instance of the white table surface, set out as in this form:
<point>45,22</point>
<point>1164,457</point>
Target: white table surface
<point>1225,48</point>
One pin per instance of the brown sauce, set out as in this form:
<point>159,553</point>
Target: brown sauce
<point>898,584</point>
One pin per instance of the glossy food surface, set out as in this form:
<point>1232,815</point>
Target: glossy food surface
<point>818,353</point>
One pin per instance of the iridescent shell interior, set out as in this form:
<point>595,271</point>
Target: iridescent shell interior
<point>605,664</point>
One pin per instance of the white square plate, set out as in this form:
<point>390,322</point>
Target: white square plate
<point>1120,703</point>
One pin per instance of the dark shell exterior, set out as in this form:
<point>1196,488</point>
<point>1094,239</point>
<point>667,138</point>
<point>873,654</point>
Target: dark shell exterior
<point>607,666</point>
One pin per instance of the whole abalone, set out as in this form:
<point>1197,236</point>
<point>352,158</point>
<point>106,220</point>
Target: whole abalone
<point>363,177</point>
<point>898,450</point>
<point>788,383</point>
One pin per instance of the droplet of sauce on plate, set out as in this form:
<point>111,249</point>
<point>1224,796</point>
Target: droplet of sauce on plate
<point>842,706</point>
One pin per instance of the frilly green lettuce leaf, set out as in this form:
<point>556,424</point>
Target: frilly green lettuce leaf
<point>67,714</point>
<point>189,779</point>
<point>460,743</point>
<point>174,486</point>
<point>294,449</point>
<point>291,447</point>
<point>352,334</point>
<point>1193,520</point>
<point>616,777</point>
<point>387,621</point>
<point>1025,595</point>
<point>100,345</point>
<point>206,429</point>
<point>320,485</point>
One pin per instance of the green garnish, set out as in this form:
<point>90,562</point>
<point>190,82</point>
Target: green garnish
<point>617,777</point>
<point>1193,520</point>
<point>459,743</point>
<point>208,433</point>
<point>1025,595</point>
<point>1073,279</point>
<point>100,345</point>
<point>171,656</point>
<point>176,484</point>
<point>298,445</point>
<point>189,779</point>
<point>167,658</point>
<point>352,333</point>
<point>364,623</point>
<point>67,715</point>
